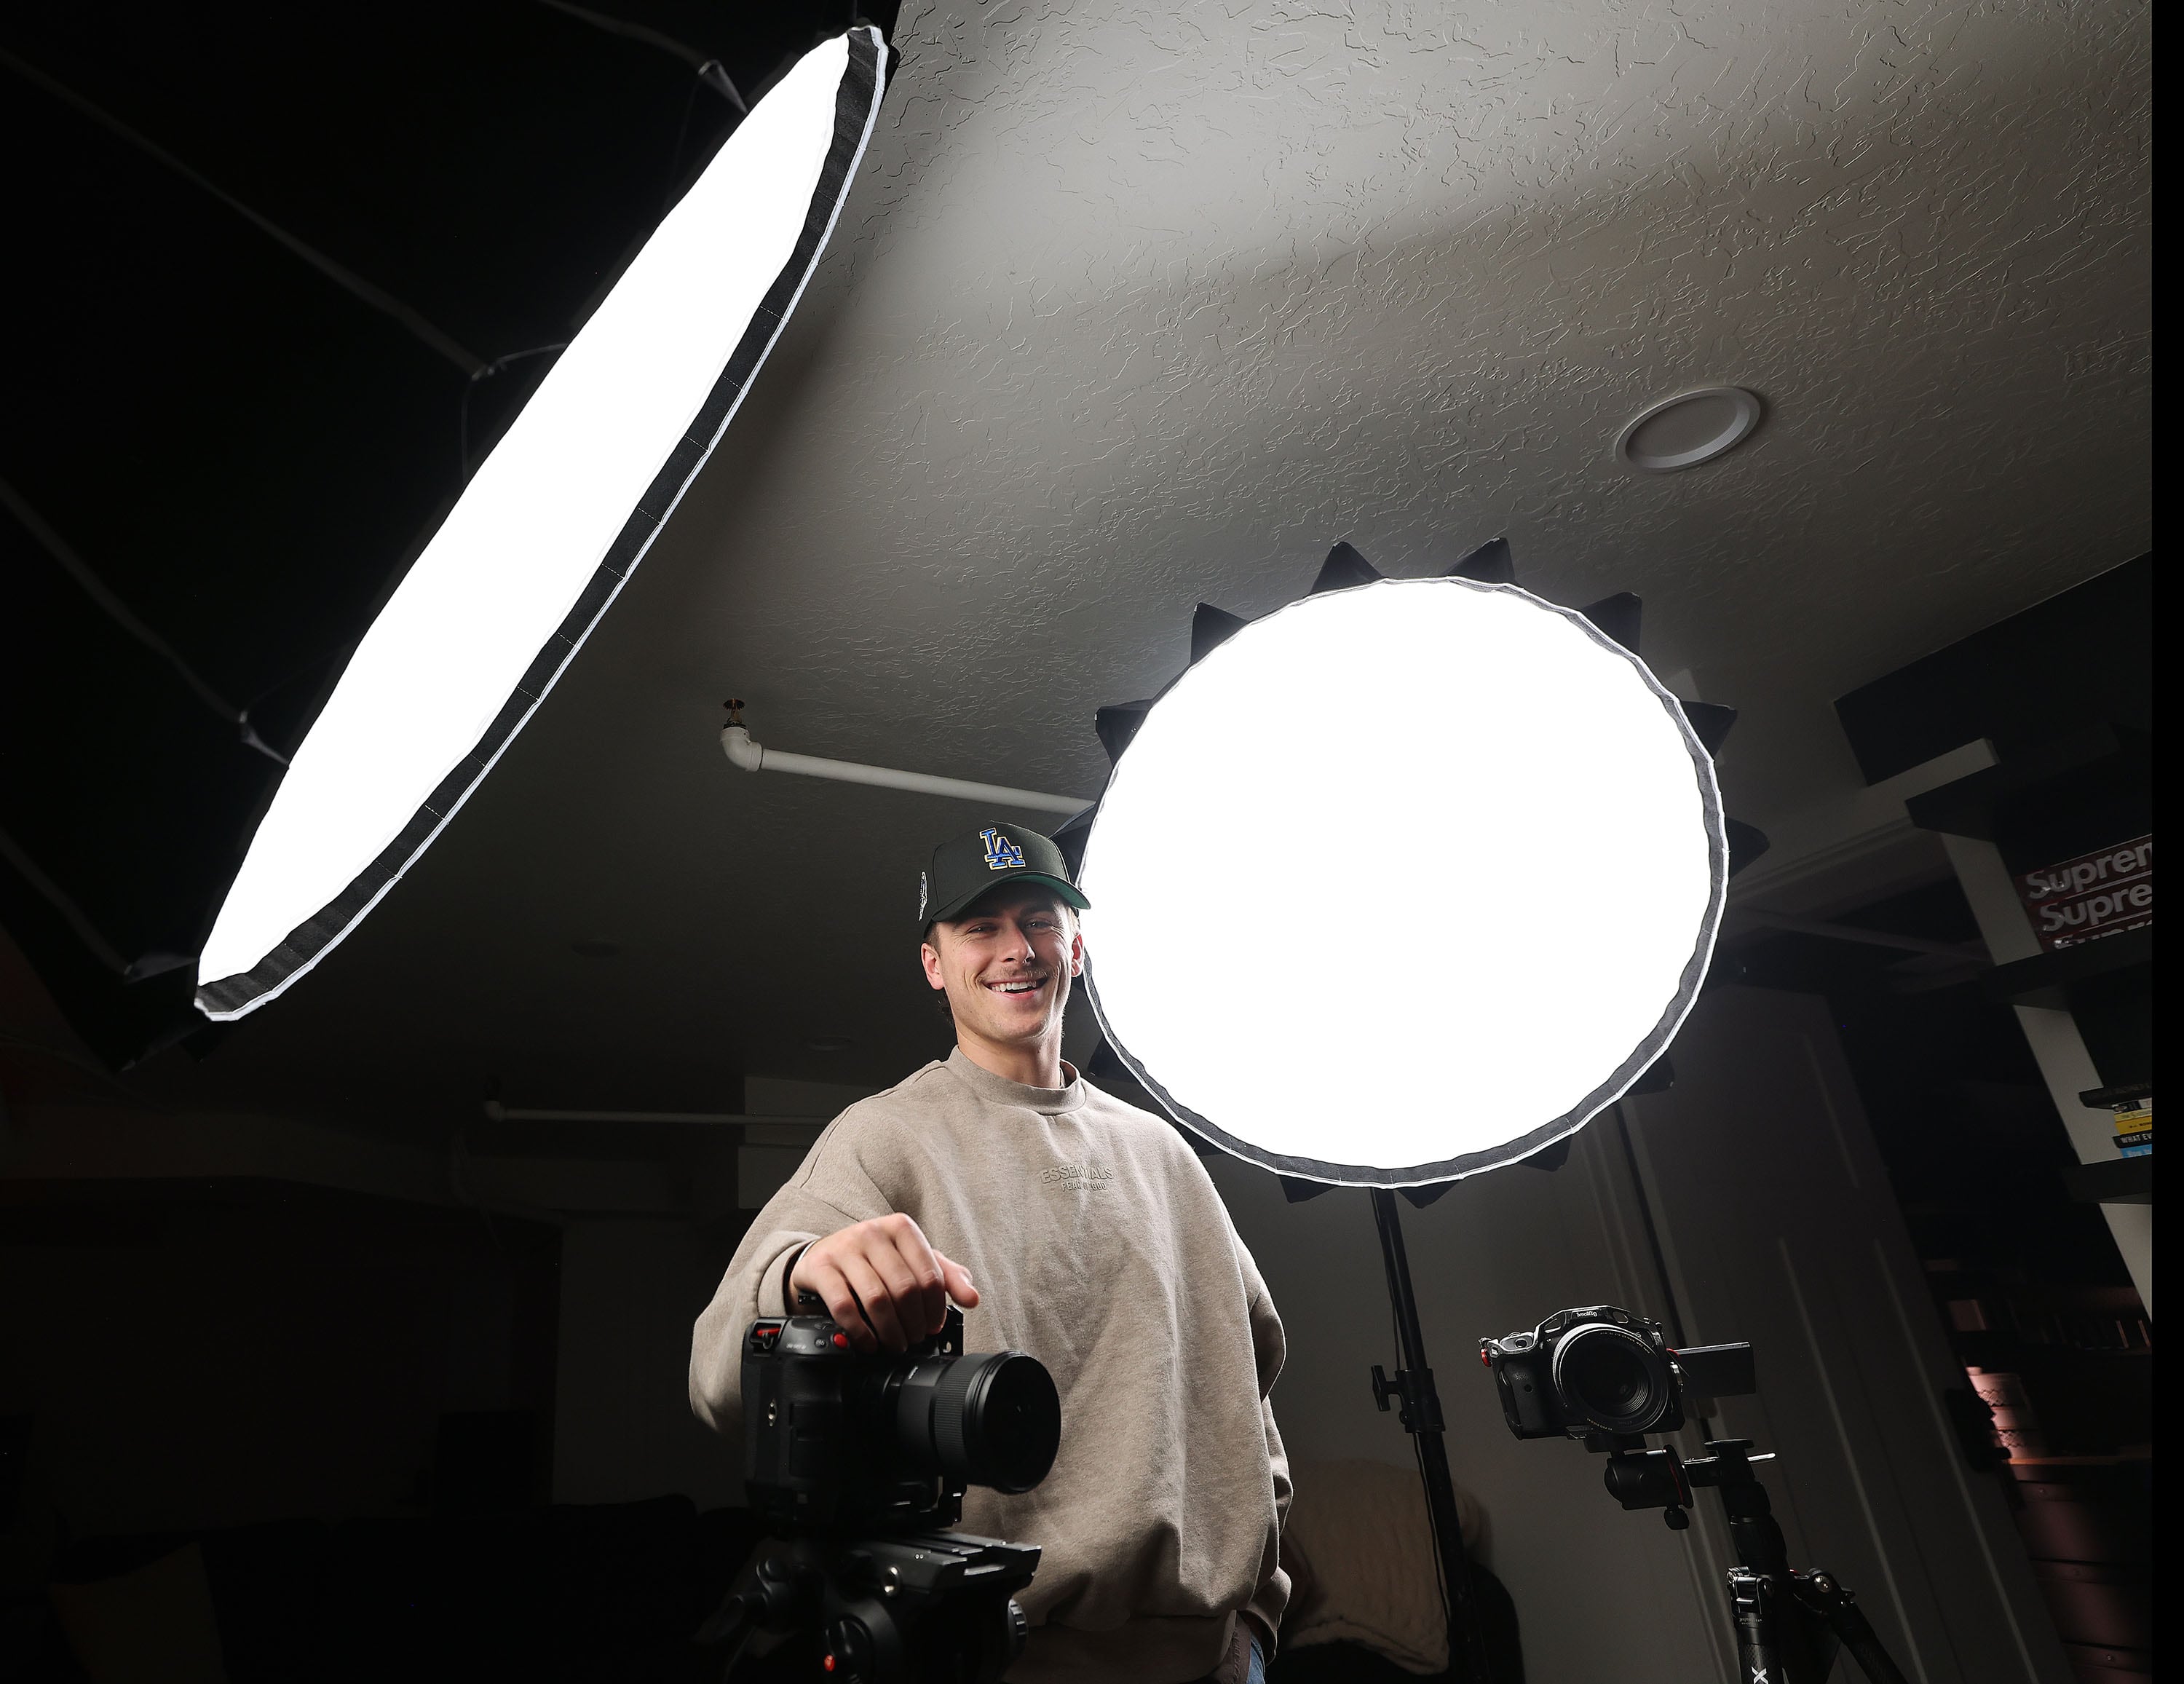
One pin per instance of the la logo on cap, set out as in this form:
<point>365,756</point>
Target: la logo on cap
<point>1001,854</point>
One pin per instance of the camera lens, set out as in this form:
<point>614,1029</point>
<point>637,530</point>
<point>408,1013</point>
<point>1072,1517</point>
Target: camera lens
<point>1611,1378</point>
<point>997,1421</point>
<point>987,1420</point>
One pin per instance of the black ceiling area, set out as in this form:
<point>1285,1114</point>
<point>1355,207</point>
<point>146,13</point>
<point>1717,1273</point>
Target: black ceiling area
<point>282,276</point>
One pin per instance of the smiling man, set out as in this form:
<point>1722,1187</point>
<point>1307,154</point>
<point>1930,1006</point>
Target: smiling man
<point>1074,1227</point>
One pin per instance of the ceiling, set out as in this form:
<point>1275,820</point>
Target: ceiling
<point>1136,306</point>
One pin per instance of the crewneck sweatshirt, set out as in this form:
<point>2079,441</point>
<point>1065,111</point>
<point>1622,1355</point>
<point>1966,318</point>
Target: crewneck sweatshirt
<point>1099,1246</point>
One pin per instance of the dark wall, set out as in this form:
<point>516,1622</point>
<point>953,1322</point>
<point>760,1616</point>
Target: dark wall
<point>195,1355</point>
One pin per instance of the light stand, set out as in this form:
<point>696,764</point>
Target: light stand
<point>1412,1388</point>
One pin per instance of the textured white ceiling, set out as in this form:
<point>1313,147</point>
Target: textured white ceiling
<point>1140,305</point>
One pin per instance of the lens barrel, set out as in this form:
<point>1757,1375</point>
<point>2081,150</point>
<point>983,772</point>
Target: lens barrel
<point>989,1419</point>
<point>1611,1378</point>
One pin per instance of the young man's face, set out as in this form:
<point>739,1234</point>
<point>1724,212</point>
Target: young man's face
<point>1006,965</point>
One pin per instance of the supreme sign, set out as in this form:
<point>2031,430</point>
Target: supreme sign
<point>2093,895</point>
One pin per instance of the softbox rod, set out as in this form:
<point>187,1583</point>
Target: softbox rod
<point>1413,1385</point>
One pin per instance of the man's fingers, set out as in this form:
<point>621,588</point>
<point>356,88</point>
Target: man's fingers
<point>925,1282</point>
<point>929,1280</point>
<point>913,1281</point>
<point>958,1280</point>
<point>878,1301</point>
<point>899,1286</point>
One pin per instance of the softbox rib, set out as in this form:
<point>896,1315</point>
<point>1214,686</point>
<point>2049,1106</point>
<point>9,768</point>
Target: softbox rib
<point>855,110</point>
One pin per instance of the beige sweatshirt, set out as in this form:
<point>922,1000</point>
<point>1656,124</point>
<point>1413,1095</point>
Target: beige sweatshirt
<point>1097,1244</point>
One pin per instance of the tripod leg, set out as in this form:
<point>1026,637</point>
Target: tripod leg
<point>1820,1592</point>
<point>1752,1603</point>
<point>735,1654</point>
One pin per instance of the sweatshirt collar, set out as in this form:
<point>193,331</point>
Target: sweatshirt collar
<point>1000,1090</point>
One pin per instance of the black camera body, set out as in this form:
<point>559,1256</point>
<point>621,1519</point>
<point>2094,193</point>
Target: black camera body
<point>1601,1370</point>
<point>835,1439</point>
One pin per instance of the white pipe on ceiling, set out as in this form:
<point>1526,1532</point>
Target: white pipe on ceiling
<point>738,744</point>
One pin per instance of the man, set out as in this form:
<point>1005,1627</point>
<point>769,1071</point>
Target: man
<point>1074,1227</point>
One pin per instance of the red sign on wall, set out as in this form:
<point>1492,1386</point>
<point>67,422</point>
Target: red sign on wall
<point>2093,895</point>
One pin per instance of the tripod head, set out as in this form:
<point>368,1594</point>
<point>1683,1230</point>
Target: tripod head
<point>1639,1478</point>
<point>886,1610</point>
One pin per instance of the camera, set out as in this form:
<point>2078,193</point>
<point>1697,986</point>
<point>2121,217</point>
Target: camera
<point>1606,1377</point>
<point>1603,1370</point>
<point>835,1439</point>
<point>861,1462</point>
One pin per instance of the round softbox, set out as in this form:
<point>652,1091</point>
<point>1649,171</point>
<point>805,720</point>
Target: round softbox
<point>1402,882</point>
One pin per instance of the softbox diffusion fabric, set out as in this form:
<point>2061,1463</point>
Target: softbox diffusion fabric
<point>1403,882</point>
<point>549,531</point>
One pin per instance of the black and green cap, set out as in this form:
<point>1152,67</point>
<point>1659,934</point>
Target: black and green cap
<point>964,867</point>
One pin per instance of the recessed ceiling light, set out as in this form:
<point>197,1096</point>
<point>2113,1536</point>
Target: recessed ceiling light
<point>1688,429</point>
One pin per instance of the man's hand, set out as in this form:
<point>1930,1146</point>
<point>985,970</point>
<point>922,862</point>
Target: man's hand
<point>885,1268</point>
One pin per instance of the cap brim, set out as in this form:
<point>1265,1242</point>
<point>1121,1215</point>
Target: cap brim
<point>962,903</point>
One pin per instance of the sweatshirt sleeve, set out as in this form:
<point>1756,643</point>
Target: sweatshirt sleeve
<point>1270,1347</point>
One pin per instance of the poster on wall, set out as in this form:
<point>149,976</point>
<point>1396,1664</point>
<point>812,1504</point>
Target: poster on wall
<point>2096,895</point>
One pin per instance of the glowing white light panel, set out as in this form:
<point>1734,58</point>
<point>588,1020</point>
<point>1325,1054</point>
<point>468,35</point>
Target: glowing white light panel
<point>544,534</point>
<point>1417,876</point>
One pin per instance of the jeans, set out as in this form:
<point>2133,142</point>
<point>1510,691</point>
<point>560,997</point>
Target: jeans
<point>1254,1672</point>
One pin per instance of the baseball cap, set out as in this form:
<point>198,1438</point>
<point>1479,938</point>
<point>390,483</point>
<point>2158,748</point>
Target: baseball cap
<point>964,867</point>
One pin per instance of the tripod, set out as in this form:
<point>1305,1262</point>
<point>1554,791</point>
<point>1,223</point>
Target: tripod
<point>1789,1620</point>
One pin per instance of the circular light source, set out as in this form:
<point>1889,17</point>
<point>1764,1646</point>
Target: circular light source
<point>547,531</point>
<point>1688,429</point>
<point>1402,882</point>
